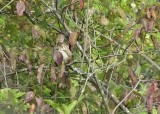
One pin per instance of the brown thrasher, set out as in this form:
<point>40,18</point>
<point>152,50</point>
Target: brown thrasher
<point>62,49</point>
<point>61,53</point>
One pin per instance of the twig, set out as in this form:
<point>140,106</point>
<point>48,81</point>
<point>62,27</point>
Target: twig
<point>152,62</point>
<point>143,55</point>
<point>92,80</point>
<point>47,5</point>
<point>22,70</point>
<point>6,5</point>
<point>89,76</point>
<point>95,77</point>
<point>4,72</point>
<point>113,112</point>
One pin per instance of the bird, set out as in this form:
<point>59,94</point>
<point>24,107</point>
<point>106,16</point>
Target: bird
<point>61,53</point>
<point>63,48</point>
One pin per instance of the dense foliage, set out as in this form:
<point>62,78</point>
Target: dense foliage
<point>79,56</point>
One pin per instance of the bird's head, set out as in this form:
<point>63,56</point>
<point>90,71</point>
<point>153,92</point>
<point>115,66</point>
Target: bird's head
<point>59,38</point>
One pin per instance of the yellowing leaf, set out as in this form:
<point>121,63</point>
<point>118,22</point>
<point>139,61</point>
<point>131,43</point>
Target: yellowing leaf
<point>154,15</point>
<point>62,69</point>
<point>39,101</point>
<point>32,109</point>
<point>60,38</point>
<point>104,21</point>
<point>36,32</point>
<point>39,73</point>
<point>121,13</point>
<point>73,39</point>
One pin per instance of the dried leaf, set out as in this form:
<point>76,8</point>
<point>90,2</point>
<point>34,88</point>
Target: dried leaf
<point>53,74</point>
<point>81,4</point>
<point>158,109</point>
<point>156,96</point>
<point>23,58</point>
<point>132,76</point>
<point>46,108</point>
<point>145,24</point>
<point>84,108</point>
<point>29,96</point>
<point>136,34</point>
<point>154,15</point>
<point>150,25</point>
<point>39,74</point>
<point>73,4</point>
<point>152,88</point>
<point>32,108</point>
<point>39,101</point>
<point>148,13</point>
<point>73,39</point>
<point>150,93</point>
<point>62,69</point>
<point>154,12</point>
<point>27,63</point>
<point>20,7</point>
<point>149,103</point>
<point>13,59</point>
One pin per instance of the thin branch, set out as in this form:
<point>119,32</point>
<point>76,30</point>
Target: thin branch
<point>94,82</point>
<point>6,5</point>
<point>143,55</point>
<point>21,70</point>
<point>95,77</point>
<point>124,108</point>
<point>113,112</point>
<point>152,62</point>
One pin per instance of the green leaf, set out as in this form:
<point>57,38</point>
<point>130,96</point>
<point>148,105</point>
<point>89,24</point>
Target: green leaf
<point>143,113</point>
<point>19,94</point>
<point>121,13</point>
<point>46,91</point>
<point>138,70</point>
<point>2,21</point>
<point>65,108</point>
<point>54,105</point>
<point>154,111</point>
<point>2,112</point>
<point>72,105</point>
